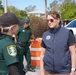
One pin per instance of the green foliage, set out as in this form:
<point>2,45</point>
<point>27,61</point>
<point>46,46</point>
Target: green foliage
<point>19,13</point>
<point>67,8</point>
<point>23,14</point>
<point>69,12</point>
<point>54,5</point>
<point>1,12</point>
<point>30,8</point>
<point>1,6</point>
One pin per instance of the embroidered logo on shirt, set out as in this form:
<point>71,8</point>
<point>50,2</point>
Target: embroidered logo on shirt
<point>48,37</point>
<point>12,50</point>
<point>23,30</point>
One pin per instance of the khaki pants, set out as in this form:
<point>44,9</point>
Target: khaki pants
<point>47,73</point>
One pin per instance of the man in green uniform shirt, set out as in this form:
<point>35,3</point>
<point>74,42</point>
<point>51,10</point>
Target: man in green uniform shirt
<point>23,37</point>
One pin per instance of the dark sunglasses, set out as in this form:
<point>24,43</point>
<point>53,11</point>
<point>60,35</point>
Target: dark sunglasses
<point>51,20</point>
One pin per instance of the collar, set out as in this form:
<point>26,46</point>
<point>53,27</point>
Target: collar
<point>9,36</point>
<point>55,29</point>
<point>1,36</point>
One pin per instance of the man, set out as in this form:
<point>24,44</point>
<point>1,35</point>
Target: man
<point>23,37</point>
<point>58,48</point>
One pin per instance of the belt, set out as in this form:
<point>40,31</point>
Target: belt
<point>22,45</point>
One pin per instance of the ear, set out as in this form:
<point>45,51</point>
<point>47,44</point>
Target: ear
<point>58,20</point>
<point>12,28</point>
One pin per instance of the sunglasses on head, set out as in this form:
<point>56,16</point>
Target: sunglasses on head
<point>51,20</point>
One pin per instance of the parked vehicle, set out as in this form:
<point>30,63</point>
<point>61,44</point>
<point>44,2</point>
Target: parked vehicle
<point>72,25</point>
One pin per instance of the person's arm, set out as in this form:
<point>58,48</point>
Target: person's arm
<point>41,61</point>
<point>73,61</point>
<point>10,56</point>
<point>71,43</point>
<point>33,37</point>
<point>13,69</point>
<point>14,38</point>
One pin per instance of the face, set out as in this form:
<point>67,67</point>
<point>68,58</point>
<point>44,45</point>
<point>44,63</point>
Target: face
<point>52,22</point>
<point>25,25</point>
<point>15,28</point>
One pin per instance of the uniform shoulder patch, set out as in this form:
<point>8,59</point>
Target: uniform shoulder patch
<point>12,50</point>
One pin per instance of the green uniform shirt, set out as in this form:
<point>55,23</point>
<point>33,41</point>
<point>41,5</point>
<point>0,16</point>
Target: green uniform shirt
<point>24,34</point>
<point>8,53</point>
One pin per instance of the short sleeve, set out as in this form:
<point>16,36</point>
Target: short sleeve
<point>43,44</point>
<point>10,54</point>
<point>71,38</point>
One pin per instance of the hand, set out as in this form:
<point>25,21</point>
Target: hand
<point>72,73</point>
<point>42,73</point>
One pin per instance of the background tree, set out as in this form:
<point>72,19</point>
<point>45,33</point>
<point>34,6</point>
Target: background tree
<point>54,5</point>
<point>1,8</point>
<point>23,14</point>
<point>19,13</point>
<point>30,8</point>
<point>68,10</point>
<point>38,25</point>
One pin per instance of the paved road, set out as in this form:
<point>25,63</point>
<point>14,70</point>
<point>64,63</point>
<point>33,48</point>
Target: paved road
<point>32,73</point>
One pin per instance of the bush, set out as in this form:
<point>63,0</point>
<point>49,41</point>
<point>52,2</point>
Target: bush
<point>38,26</point>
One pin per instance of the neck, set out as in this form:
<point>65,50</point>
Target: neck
<point>8,33</point>
<point>57,26</point>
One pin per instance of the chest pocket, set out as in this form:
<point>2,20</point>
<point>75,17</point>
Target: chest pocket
<point>23,33</point>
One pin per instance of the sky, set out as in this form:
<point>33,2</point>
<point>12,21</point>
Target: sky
<point>22,4</point>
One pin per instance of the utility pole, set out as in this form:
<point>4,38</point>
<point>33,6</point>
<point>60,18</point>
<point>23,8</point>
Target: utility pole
<point>5,6</point>
<point>45,8</point>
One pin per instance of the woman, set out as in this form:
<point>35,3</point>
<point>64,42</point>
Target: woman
<point>8,51</point>
<point>58,52</point>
